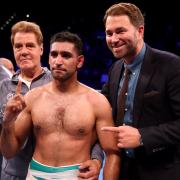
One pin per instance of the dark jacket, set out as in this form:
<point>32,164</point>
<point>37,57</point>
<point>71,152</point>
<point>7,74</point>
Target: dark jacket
<point>156,113</point>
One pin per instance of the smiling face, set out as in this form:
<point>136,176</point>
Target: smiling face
<point>64,60</point>
<point>123,39</point>
<point>27,51</point>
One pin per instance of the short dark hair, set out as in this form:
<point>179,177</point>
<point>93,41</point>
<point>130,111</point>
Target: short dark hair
<point>66,36</point>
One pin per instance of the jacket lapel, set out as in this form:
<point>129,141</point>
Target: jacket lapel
<point>115,78</point>
<point>146,73</point>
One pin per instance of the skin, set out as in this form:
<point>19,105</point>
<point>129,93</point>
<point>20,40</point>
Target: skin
<point>27,52</point>
<point>72,118</point>
<point>125,41</point>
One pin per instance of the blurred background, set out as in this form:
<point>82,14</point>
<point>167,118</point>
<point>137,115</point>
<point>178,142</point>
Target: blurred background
<point>162,29</point>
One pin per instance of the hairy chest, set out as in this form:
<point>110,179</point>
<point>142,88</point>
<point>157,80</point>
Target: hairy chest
<point>74,116</point>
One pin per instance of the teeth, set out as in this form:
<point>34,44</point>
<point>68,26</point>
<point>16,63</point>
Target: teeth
<point>114,46</point>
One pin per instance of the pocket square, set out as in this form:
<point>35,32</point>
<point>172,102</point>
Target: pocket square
<point>151,94</point>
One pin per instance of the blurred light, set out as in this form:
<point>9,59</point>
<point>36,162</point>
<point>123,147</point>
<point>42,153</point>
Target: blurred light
<point>178,44</point>
<point>8,21</point>
<point>104,78</point>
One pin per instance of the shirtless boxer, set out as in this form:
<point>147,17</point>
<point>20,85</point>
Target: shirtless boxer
<point>65,115</point>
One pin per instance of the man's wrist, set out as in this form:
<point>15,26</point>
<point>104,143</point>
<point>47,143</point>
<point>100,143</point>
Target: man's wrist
<point>98,162</point>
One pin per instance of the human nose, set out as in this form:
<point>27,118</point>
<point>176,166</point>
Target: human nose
<point>58,60</point>
<point>24,51</point>
<point>114,37</point>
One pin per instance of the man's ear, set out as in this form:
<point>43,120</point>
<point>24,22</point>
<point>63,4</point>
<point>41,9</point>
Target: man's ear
<point>141,31</point>
<point>42,49</point>
<point>80,61</point>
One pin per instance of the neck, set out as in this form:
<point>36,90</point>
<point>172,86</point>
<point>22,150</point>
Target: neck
<point>30,74</point>
<point>65,86</point>
<point>130,59</point>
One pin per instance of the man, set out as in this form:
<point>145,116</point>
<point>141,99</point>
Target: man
<point>148,134</point>
<point>27,42</point>
<point>8,64</point>
<point>3,73</point>
<point>27,48</point>
<point>65,116</point>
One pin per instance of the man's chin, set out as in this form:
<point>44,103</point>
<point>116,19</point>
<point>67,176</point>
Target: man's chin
<point>58,77</point>
<point>117,55</point>
<point>25,67</point>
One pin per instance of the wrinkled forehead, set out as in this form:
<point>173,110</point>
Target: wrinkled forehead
<point>25,37</point>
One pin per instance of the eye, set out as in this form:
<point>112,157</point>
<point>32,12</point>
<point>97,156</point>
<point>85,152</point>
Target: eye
<point>54,54</point>
<point>17,45</point>
<point>66,55</point>
<point>30,45</point>
<point>109,33</point>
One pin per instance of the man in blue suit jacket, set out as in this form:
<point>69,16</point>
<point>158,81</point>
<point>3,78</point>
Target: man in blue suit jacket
<point>149,133</point>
